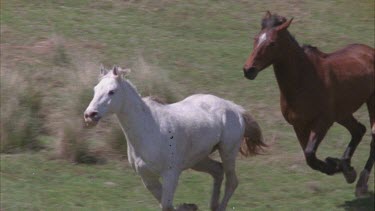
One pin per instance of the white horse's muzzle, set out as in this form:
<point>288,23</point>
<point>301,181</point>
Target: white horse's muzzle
<point>91,118</point>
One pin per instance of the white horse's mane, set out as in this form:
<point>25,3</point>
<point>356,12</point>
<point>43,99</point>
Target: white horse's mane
<point>151,98</point>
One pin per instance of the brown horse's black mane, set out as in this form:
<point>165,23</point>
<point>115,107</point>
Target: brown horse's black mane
<point>272,21</point>
<point>276,20</point>
<point>309,49</point>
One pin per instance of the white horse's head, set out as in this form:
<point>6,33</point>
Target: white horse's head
<point>107,95</point>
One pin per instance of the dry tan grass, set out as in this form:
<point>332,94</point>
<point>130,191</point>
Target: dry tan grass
<point>60,85</point>
<point>50,101</point>
<point>21,116</point>
<point>154,81</point>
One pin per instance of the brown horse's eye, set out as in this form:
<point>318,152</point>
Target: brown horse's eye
<point>272,44</point>
<point>111,92</point>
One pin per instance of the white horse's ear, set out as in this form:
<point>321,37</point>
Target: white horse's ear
<point>103,71</point>
<point>115,71</point>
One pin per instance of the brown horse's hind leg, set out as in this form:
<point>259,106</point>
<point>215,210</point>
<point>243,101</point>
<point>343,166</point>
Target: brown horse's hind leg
<point>361,187</point>
<point>357,130</point>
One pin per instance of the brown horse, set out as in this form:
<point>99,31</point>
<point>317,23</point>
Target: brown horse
<point>318,89</point>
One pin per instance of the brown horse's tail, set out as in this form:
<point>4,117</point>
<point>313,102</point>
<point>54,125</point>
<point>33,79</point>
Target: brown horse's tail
<point>252,142</point>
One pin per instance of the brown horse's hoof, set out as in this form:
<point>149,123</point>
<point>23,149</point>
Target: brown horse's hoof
<point>361,187</point>
<point>349,172</point>
<point>334,165</point>
<point>187,207</point>
<point>350,175</point>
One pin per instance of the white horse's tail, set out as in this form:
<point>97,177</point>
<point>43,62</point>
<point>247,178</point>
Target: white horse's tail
<point>252,142</point>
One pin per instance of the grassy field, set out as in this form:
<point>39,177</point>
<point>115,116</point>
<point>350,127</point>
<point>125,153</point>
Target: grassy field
<point>175,48</point>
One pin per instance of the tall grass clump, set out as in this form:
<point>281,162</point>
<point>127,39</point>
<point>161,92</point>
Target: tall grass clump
<point>79,144</point>
<point>49,99</point>
<point>71,143</point>
<point>66,105</point>
<point>21,116</point>
<point>154,81</point>
<point>76,143</point>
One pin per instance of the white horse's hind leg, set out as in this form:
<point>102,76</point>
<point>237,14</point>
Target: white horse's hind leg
<point>231,183</point>
<point>229,147</point>
<point>228,156</point>
<point>215,169</point>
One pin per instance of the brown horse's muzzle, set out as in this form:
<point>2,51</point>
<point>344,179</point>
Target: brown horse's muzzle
<point>250,73</point>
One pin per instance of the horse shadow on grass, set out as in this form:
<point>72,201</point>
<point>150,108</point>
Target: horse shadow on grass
<point>359,204</point>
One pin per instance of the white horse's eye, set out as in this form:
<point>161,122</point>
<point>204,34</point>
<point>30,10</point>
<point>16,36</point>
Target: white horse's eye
<point>111,92</point>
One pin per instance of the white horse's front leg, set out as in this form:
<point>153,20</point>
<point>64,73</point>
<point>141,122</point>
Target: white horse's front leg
<point>170,181</point>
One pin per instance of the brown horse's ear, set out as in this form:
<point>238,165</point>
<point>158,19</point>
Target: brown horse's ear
<point>267,15</point>
<point>285,25</point>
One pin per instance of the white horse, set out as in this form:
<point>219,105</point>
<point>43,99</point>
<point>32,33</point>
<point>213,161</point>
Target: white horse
<point>164,140</point>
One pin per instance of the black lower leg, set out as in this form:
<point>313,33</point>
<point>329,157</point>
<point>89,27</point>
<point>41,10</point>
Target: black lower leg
<point>371,159</point>
<point>310,154</point>
<point>361,187</point>
<point>356,139</point>
<point>357,130</point>
<point>324,167</point>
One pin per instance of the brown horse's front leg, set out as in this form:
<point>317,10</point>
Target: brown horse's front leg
<point>310,140</point>
<point>312,160</point>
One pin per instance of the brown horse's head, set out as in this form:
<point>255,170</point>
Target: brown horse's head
<point>266,45</point>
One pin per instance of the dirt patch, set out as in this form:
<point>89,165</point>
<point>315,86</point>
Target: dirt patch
<point>314,186</point>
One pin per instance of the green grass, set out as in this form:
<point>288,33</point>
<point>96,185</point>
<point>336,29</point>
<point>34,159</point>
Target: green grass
<point>192,47</point>
<point>278,182</point>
